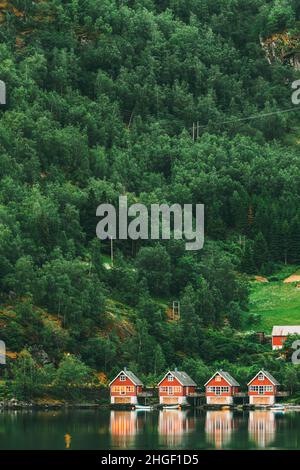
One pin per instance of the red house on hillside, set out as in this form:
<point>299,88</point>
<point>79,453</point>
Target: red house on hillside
<point>221,388</point>
<point>125,388</point>
<point>175,387</point>
<point>280,334</point>
<point>262,389</point>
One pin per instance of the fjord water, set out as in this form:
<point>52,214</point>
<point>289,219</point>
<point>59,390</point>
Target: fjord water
<point>167,429</point>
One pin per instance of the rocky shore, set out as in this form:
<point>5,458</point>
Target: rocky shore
<point>14,404</point>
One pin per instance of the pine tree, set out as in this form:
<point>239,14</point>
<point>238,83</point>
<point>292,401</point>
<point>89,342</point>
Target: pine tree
<point>284,230</point>
<point>294,240</point>
<point>260,251</point>
<point>275,243</point>
<point>247,263</point>
<point>250,221</point>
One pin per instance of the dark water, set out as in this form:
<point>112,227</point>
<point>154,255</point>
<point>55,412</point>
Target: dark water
<point>169,429</point>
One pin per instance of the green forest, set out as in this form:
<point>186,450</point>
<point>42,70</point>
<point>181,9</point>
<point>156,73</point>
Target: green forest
<point>102,96</point>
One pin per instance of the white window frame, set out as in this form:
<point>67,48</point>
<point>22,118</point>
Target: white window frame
<point>261,377</point>
<point>261,389</point>
<point>122,378</point>
<point>170,378</point>
<point>218,390</point>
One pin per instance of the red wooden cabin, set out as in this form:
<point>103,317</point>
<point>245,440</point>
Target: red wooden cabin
<point>280,334</point>
<point>221,388</point>
<point>125,388</point>
<point>262,389</point>
<point>175,387</point>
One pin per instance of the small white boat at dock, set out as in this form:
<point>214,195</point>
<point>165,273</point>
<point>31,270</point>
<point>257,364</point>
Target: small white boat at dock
<point>144,407</point>
<point>278,408</point>
<point>171,407</point>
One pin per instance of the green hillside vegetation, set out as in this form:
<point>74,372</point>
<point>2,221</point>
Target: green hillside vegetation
<point>101,99</point>
<point>275,303</point>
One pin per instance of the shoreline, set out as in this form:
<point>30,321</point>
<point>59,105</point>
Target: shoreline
<point>15,405</point>
<point>52,405</point>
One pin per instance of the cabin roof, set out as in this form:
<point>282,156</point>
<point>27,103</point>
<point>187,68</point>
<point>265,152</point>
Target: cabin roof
<point>131,376</point>
<point>182,377</point>
<point>286,330</point>
<point>266,374</point>
<point>226,376</point>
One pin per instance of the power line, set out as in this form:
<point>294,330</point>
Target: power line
<point>248,118</point>
<point>195,129</point>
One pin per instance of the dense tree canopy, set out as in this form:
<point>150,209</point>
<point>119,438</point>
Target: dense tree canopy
<point>101,100</point>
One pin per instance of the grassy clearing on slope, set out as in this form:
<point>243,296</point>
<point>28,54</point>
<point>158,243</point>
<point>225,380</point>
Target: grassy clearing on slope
<point>277,304</point>
<point>294,277</point>
<point>284,271</point>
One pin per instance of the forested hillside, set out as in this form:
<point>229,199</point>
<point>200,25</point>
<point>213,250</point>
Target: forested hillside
<point>101,100</point>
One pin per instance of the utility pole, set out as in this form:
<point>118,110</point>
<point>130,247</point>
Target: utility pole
<point>242,241</point>
<point>2,92</point>
<point>130,119</point>
<point>196,130</point>
<point>111,251</point>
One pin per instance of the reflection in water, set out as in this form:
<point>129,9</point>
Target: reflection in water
<point>173,425</point>
<point>219,427</point>
<point>68,439</point>
<point>167,429</point>
<point>262,427</point>
<point>123,427</point>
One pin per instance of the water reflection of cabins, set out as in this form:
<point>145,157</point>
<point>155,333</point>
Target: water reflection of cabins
<point>124,426</point>
<point>173,426</point>
<point>262,427</point>
<point>219,426</point>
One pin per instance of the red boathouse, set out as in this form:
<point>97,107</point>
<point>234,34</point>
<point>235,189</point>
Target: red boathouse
<point>221,388</point>
<point>262,389</point>
<point>125,388</point>
<point>175,387</point>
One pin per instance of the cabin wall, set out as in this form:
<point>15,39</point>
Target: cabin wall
<point>174,383</point>
<point>169,396</point>
<point>124,391</point>
<point>261,399</point>
<point>172,400</point>
<point>220,383</point>
<point>277,342</point>
<point>123,400</point>
<point>188,390</point>
<point>219,400</point>
<point>265,382</point>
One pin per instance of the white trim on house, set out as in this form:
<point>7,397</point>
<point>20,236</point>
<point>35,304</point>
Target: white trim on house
<point>166,375</point>
<point>220,372</point>
<point>124,372</point>
<point>185,380</point>
<point>267,376</point>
